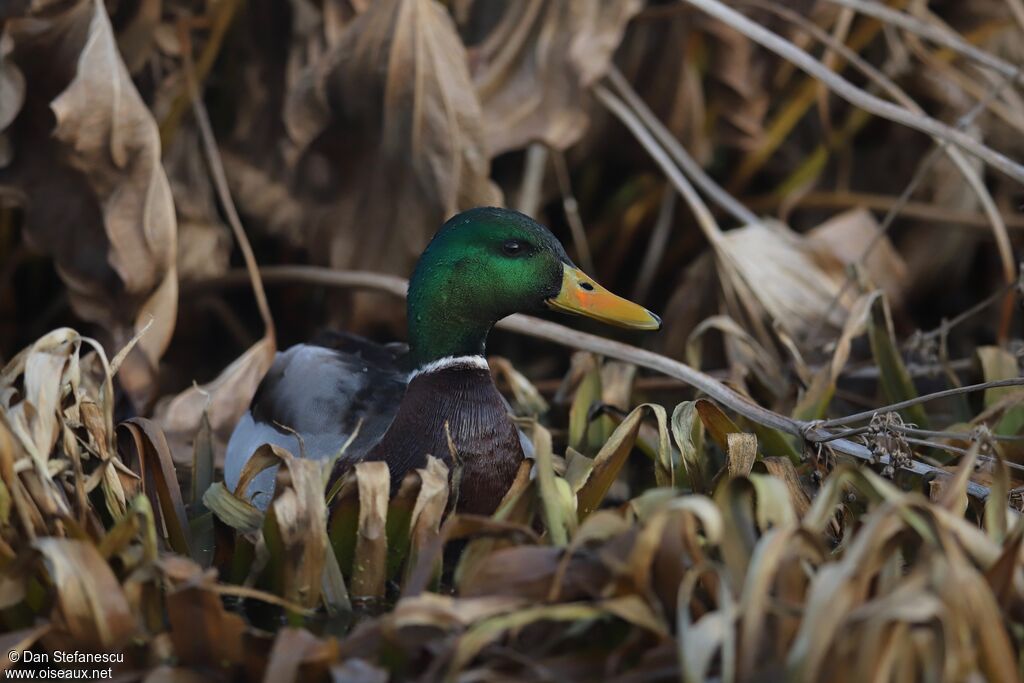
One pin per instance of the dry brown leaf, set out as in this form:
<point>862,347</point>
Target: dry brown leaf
<point>224,400</point>
<point>45,368</point>
<point>784,470</point>
<point>389,139</point>
<point>293,651</point>
<point>528,571</point>
<point>300,514</point>
<point>737,64</point>
<point>204,242</point>
<point>741,453</point>
<point>443,610</point>
<point>145,449</point>
<point>136,35</point>
<point>369,568</point>
<point>202,631</point>
<point>778,273</point>
<point>96,195</point>
<point>848,235</point>
<point>528,401</point>
<point>629,609</point>
<point>90,603</point>
<point>617,383</point>
<point>261,193</point>
<point>744,352</point>
<point>425,521</point>
<point>534,68</point>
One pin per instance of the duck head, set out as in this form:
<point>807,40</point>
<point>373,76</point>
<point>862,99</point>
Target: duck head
<point>488,263</point>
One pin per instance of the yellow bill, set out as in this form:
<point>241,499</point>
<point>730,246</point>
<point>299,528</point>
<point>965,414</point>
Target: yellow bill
<point>580,294</point>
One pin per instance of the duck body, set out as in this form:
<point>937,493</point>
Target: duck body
<point>437,396</point>
<point>313,398</point>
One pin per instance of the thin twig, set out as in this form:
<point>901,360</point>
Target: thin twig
<point>700,210</point>
<point>656,245</point>
<point>831,59</point>
<point>220,23</point>
<point>947,325</point>
<point>883,202</point>
<point>942,446</point>
<point>964,436</point>
<point>854,95</point>
<point>868,414</point>
<point>913,369</point>
<point>935,34</point>
<point>701,179</point>
<point>220,182</point>
<point>971,83</point>
<point>572,211</point>
<point>533,178</point>
<point>312,275</point>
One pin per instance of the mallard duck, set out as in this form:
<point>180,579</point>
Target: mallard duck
<point>482,265</point>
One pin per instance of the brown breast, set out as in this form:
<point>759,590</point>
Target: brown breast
<point>486,442</point>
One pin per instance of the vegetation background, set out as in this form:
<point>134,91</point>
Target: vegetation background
<point>814,472</point>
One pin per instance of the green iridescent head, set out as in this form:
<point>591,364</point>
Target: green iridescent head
<point>488,263</point>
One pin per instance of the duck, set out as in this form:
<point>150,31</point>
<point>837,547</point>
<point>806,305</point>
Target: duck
<point>400,403</point>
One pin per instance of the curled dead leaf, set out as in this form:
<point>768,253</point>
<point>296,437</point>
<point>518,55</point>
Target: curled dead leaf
<point>386,129</point>
<point>90,602</point>
<point>97,198</point>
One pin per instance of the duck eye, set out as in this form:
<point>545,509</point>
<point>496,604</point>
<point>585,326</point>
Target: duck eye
<point>514,247</point>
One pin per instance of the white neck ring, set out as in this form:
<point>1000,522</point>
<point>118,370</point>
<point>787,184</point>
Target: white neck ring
<point>449,362</point>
